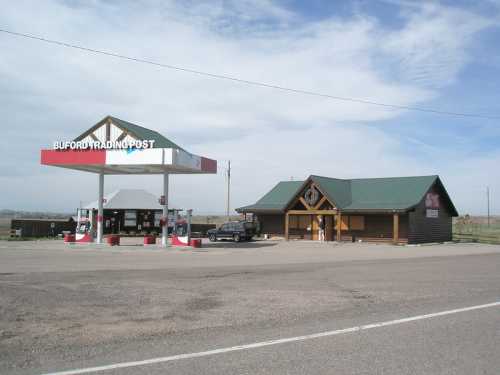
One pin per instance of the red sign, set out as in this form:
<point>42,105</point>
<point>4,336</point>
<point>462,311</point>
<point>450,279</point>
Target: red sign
<point>162,200</point>
<point>432,200</point>
<point>53,157</point>
<point>163,222</point>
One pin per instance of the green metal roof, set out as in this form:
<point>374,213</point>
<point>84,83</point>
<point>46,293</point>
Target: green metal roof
<point>137,131</point>
<point>365,194</point>
<point>276,199</point>
<point>145,134</point>
<point>337,190</point>
<point>388,193</point>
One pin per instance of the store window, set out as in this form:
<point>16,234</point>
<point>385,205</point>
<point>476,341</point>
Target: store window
<point>357,222</point>
<point>299,221</point>
<point>345,223</point>
<point>130,218</point>
<point>304,221</point>
<point>158,215</point>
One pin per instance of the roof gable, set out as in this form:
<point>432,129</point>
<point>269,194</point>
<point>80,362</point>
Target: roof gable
<point>145,134</point>
<point>337,190</point>
<point>126,129</point>
<point>448,201</point>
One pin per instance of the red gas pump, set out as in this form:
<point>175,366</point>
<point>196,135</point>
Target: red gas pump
<point>181,236</point>
<point>83,232</point>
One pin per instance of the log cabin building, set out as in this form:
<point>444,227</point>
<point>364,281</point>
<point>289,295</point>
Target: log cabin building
<point>396,209</point>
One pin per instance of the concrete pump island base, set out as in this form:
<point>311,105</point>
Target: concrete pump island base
<point>117,147</point>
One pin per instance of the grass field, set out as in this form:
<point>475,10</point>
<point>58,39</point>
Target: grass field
<point>4,227</point>
<point>477,229</point>
<point>213,219</point>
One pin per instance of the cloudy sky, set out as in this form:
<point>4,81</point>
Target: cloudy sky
<point>443,56</point>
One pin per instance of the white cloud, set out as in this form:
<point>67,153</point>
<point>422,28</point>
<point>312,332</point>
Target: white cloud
<point>431,48</point>
<point>269,135</point>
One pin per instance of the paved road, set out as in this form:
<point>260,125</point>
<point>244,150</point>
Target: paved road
<point>107,311</point>
<point>55,256</point>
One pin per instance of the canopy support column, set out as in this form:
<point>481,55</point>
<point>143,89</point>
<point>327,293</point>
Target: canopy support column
<point>100,211</point>
<point>339,226</point>
<point>164,229</point>
<point>395,228</point>
<point>287,226</point>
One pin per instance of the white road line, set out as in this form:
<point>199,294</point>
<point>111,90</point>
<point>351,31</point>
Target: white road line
<point>268,343</point>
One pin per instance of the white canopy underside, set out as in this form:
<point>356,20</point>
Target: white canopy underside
<point>129,199</point>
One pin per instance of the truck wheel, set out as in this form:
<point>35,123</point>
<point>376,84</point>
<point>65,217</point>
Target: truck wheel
<point>212,238</point>
<point>236,237</point>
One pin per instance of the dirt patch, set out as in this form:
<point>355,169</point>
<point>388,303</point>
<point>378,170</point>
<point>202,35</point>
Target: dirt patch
<point>202,304</point>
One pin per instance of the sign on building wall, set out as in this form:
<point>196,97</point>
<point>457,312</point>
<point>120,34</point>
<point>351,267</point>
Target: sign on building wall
<point>432,213</point>
<point>172,218</point>
<point>432,205</point>
<point>311,196</point>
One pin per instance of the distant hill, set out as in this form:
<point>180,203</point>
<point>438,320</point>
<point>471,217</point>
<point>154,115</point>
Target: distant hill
<point>15,214</point>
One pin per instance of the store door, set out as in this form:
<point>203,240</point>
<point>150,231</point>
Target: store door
<point>329,227</point>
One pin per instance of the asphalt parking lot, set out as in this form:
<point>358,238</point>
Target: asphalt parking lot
<point>77,307</point>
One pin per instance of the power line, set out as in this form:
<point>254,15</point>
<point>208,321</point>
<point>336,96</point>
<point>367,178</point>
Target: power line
<point>248,82</point>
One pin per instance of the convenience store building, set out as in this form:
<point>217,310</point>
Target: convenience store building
<point>400,210</point>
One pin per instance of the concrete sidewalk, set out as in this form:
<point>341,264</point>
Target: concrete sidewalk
<point>53,256</point>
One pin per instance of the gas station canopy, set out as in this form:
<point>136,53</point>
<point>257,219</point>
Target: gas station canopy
<point>104,149</point>
<point>114,146</point>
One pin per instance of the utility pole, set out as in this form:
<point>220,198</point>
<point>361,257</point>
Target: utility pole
<point>488,202</point>
<point>228,199</point>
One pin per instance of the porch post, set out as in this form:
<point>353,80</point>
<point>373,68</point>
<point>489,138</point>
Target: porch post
<point>287,223</point>
<point>164,229</point>
<point>395,228</point>
<point>339,225</point>
<point>100,211</point>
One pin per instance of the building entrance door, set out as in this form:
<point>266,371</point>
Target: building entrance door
<point>329,227</point>
<point>335,225</point>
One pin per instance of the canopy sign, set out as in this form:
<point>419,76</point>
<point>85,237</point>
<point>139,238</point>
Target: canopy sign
<point>107,145</point>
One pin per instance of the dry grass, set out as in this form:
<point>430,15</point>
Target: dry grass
<point>4,227</point>
<point>213,219</point>
<point>476,229</point>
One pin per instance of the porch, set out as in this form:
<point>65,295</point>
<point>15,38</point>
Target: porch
<point>387,228</point>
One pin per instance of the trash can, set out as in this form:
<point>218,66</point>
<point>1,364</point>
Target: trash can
<point>149,239</point>
<point>69,238</point>
<point>113,240</point>
<point>195,242</point>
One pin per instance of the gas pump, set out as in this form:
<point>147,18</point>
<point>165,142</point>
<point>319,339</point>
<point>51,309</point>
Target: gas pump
<point>84,226</point>
<point>181,236</point>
